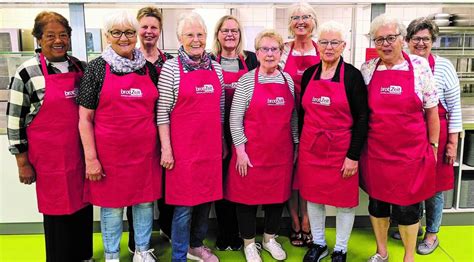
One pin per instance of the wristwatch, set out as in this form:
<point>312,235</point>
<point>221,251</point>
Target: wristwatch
<point>435,145</point>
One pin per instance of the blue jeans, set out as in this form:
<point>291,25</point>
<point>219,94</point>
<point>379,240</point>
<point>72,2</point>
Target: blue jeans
<point>111,220</point>
<point>188,229</point>
<point>434,212</point>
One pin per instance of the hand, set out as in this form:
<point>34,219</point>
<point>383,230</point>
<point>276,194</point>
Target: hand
<point>94,170</point>
<point>27,174</point>
<point>242,160</point>
<point>295,154</point>
<point>435,151</point>
<point>167,160</point>
<point>451,152</point>
<point>349,168</point>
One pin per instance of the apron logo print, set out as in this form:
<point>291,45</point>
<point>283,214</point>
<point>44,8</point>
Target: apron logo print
<point>391,90</point>
<point>232,85</point>
<point>278,101</point>
<point>71,94</point>
<point>299,72</point>
<point>323,100</point>
<point>206,89</point>
<point>132,92</point>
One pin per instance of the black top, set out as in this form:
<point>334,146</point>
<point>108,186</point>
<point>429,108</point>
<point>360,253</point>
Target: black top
<point>250,61</point>
<point>93,80</point>
<point>356,92</point>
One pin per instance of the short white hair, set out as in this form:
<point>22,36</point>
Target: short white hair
<point>120,18</point>
<point>331,26</point>
<point>303,8</point>
<point>384,20</point>
<point>189,18</point>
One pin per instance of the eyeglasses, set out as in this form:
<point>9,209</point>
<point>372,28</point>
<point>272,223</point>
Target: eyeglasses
<point>118,33</point>
<point>390,39</point>
<point>52,37</point>
<point>191,36</point>
<point>296,18</point>
<point>417,39</point>
<point>226,31</point>
<point>267,50</point>
<point>332,43</point>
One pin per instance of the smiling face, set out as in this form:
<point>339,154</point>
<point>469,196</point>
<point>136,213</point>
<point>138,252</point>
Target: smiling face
<point>418,44</point>
<point>302,24</point>
<point>193,39</point>
<point>331,52</point>
<point>54,42</point>
<point>268,58</point>
<point>123,46</point>
<point>229,35</point>
<point>389,52</point>
<point>149,31</point>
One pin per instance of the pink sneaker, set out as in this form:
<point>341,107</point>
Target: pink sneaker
<point>202,254</point>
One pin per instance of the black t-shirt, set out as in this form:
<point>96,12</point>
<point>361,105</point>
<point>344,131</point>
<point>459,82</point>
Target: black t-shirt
<point>356,92</point>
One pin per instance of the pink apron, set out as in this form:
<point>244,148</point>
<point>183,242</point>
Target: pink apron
<point>295,67</point>
<point>324,143</point>
<point>196,138</point>
<point>230,83</point>
<point>126,140</point>
<point>444,171</point>
<point>54,146</point>
<point>267,125</point>
<point>398,164</point>
<point>163,57</point>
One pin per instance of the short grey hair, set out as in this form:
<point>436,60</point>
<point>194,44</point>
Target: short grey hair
<point>384,20</point>
<point>420,24</point>
<point>120,18</point>
<point>331,26</point>
<point>303,8</point>
<point>189,18</point>
<point>269,33</point>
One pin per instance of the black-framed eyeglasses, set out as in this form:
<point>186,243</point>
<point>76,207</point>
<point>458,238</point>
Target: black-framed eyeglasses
<point>226,31</point>
<point>390,39</point>
<point>118,33</point>
<point>332,43</point>
<point>417,39</point>
<point>296,18</point>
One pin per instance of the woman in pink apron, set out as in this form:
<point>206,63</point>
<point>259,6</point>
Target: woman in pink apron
<point>398,174</point>
<point>228,50</point>
<point>45,140</point>
<point>117,98</point>
<point>297,56</point>
<point>190,117</point>
<point>149,19</point>
<point>420,37</point>
<point>263,124</point>
<point>334,119</point>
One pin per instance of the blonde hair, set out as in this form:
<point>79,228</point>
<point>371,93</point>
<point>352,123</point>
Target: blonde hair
<point>120,18</point>
<point>150,11</point>
<point>303,8</point>
<point>272,34</point>
<point>216,45</point>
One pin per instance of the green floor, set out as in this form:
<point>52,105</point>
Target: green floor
<point>456,244</point>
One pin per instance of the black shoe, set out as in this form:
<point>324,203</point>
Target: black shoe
<point>315,253</point>
<point>338,256</point>
<point>396,235</point>
<point>236,243</point>
<point>222,243</point>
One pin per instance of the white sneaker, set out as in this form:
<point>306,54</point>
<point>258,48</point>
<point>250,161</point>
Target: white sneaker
<point>275,249</point>
<point>252,254</point>
<point>112,260</point>
<point>144,256</point>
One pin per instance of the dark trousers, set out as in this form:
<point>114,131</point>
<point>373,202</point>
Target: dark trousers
<point>68,237</point>
<point>247,217</point>
<point>225,210</point>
